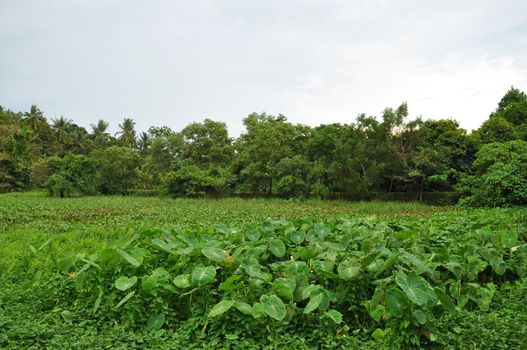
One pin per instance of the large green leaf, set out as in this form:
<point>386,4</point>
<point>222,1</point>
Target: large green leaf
<point>151,282</point>
<point>277,247</point>
<point>163,245</point>
<point>254,269</point>
<point>285,287</point>
<point>244,308</point>
<point>258,310</point>
<point>310,290</point>
<point>419,316</point>
<point>322,230</point>
<point>273,306</point>
<point>415,287</point>
<point>380,333</point>
<point>230,283</point>
<point>297,237</point>
<point>123,283</point>
<point>314,303</point>
<point>203,275</point>
<point>182,281</point>
<point>395,302</point>
<point>507,238</point>
<point>129,258</point>
<point>156,321</point>
<point>253,235</point>
<point>220,308</point>
<point>446,301</point>
<point>348,269</point>
<point>215,254</point>
<point>334,315</point>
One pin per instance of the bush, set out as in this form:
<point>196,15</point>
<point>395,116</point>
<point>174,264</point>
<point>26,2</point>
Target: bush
<point>116,169</point>
<point>72,176</point>
<point>193,181</point>
<point>501,176</point>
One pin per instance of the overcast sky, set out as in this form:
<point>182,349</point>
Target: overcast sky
<point>315,61</point>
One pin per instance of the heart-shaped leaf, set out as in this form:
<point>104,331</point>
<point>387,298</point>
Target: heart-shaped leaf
<point>273,306</point>
<point>285,287</point>
<point>253,235</point>
<point>182,281</point>
<point>203,275</point>
<point>415,287</point>
<point>277,247</point>
<point>322,230</point>
<point>395,301</point>
<point>334,315</point>
<point>297,237</point>
<point>348,269</point>
<point>314,303</point>
<point>156,321</point>
<point>215,254</point>
<point>244,308</point>
<point>123,283</point>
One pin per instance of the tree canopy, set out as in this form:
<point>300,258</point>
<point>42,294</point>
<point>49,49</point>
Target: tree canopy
<point>367,158</point>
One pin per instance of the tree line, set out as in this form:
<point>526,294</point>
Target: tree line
<point>366,159</point>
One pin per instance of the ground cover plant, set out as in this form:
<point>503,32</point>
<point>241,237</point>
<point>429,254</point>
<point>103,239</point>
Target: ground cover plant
<point>111,272</point>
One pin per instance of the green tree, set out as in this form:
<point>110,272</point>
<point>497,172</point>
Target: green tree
<point>207,143</point>
<point>500,176</point>
<point>34,119</point>
<point>127,132</point>
<point>513,95</point>
<point>116,169</point>
<point>99,132</point>
<point>14,153</point>
<point>71,176</point>
<point>62,127</point>
<point>144,142</point>
<point>496,129</point>
<point>265,143</point>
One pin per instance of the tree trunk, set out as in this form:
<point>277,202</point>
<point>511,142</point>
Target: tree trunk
<point>366,186</point>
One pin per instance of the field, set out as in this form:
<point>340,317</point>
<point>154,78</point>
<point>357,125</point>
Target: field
<point>149,272</point>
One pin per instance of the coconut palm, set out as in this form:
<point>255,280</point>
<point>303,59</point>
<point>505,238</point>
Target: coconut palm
<point>127,132</point>
<point>34,118</point>
<point>62,127</point>
<point>79,140</point>
<point>99,133</point>
<point>144,141</point>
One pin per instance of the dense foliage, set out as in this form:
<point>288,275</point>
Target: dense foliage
<point>273,157</point>
<point>228,278</point>
<point>501,176</point>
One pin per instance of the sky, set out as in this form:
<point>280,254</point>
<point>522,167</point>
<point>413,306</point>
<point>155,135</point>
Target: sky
<point>315,61</point>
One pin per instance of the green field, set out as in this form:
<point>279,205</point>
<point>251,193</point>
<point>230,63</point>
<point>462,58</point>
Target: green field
<point>120,272</point>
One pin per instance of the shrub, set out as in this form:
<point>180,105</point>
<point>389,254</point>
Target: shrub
<point>72,176</point>
<point>116,169</point>
<point>501,176</point>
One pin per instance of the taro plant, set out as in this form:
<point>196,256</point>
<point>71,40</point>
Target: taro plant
<point>355,273</point>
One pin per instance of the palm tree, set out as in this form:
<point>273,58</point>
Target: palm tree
<point>79,140</point>
<point>127,132</point>
<point>62,127</point>
<point>144,141</point>
<point>99,131</point>
<point>34,118</point>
